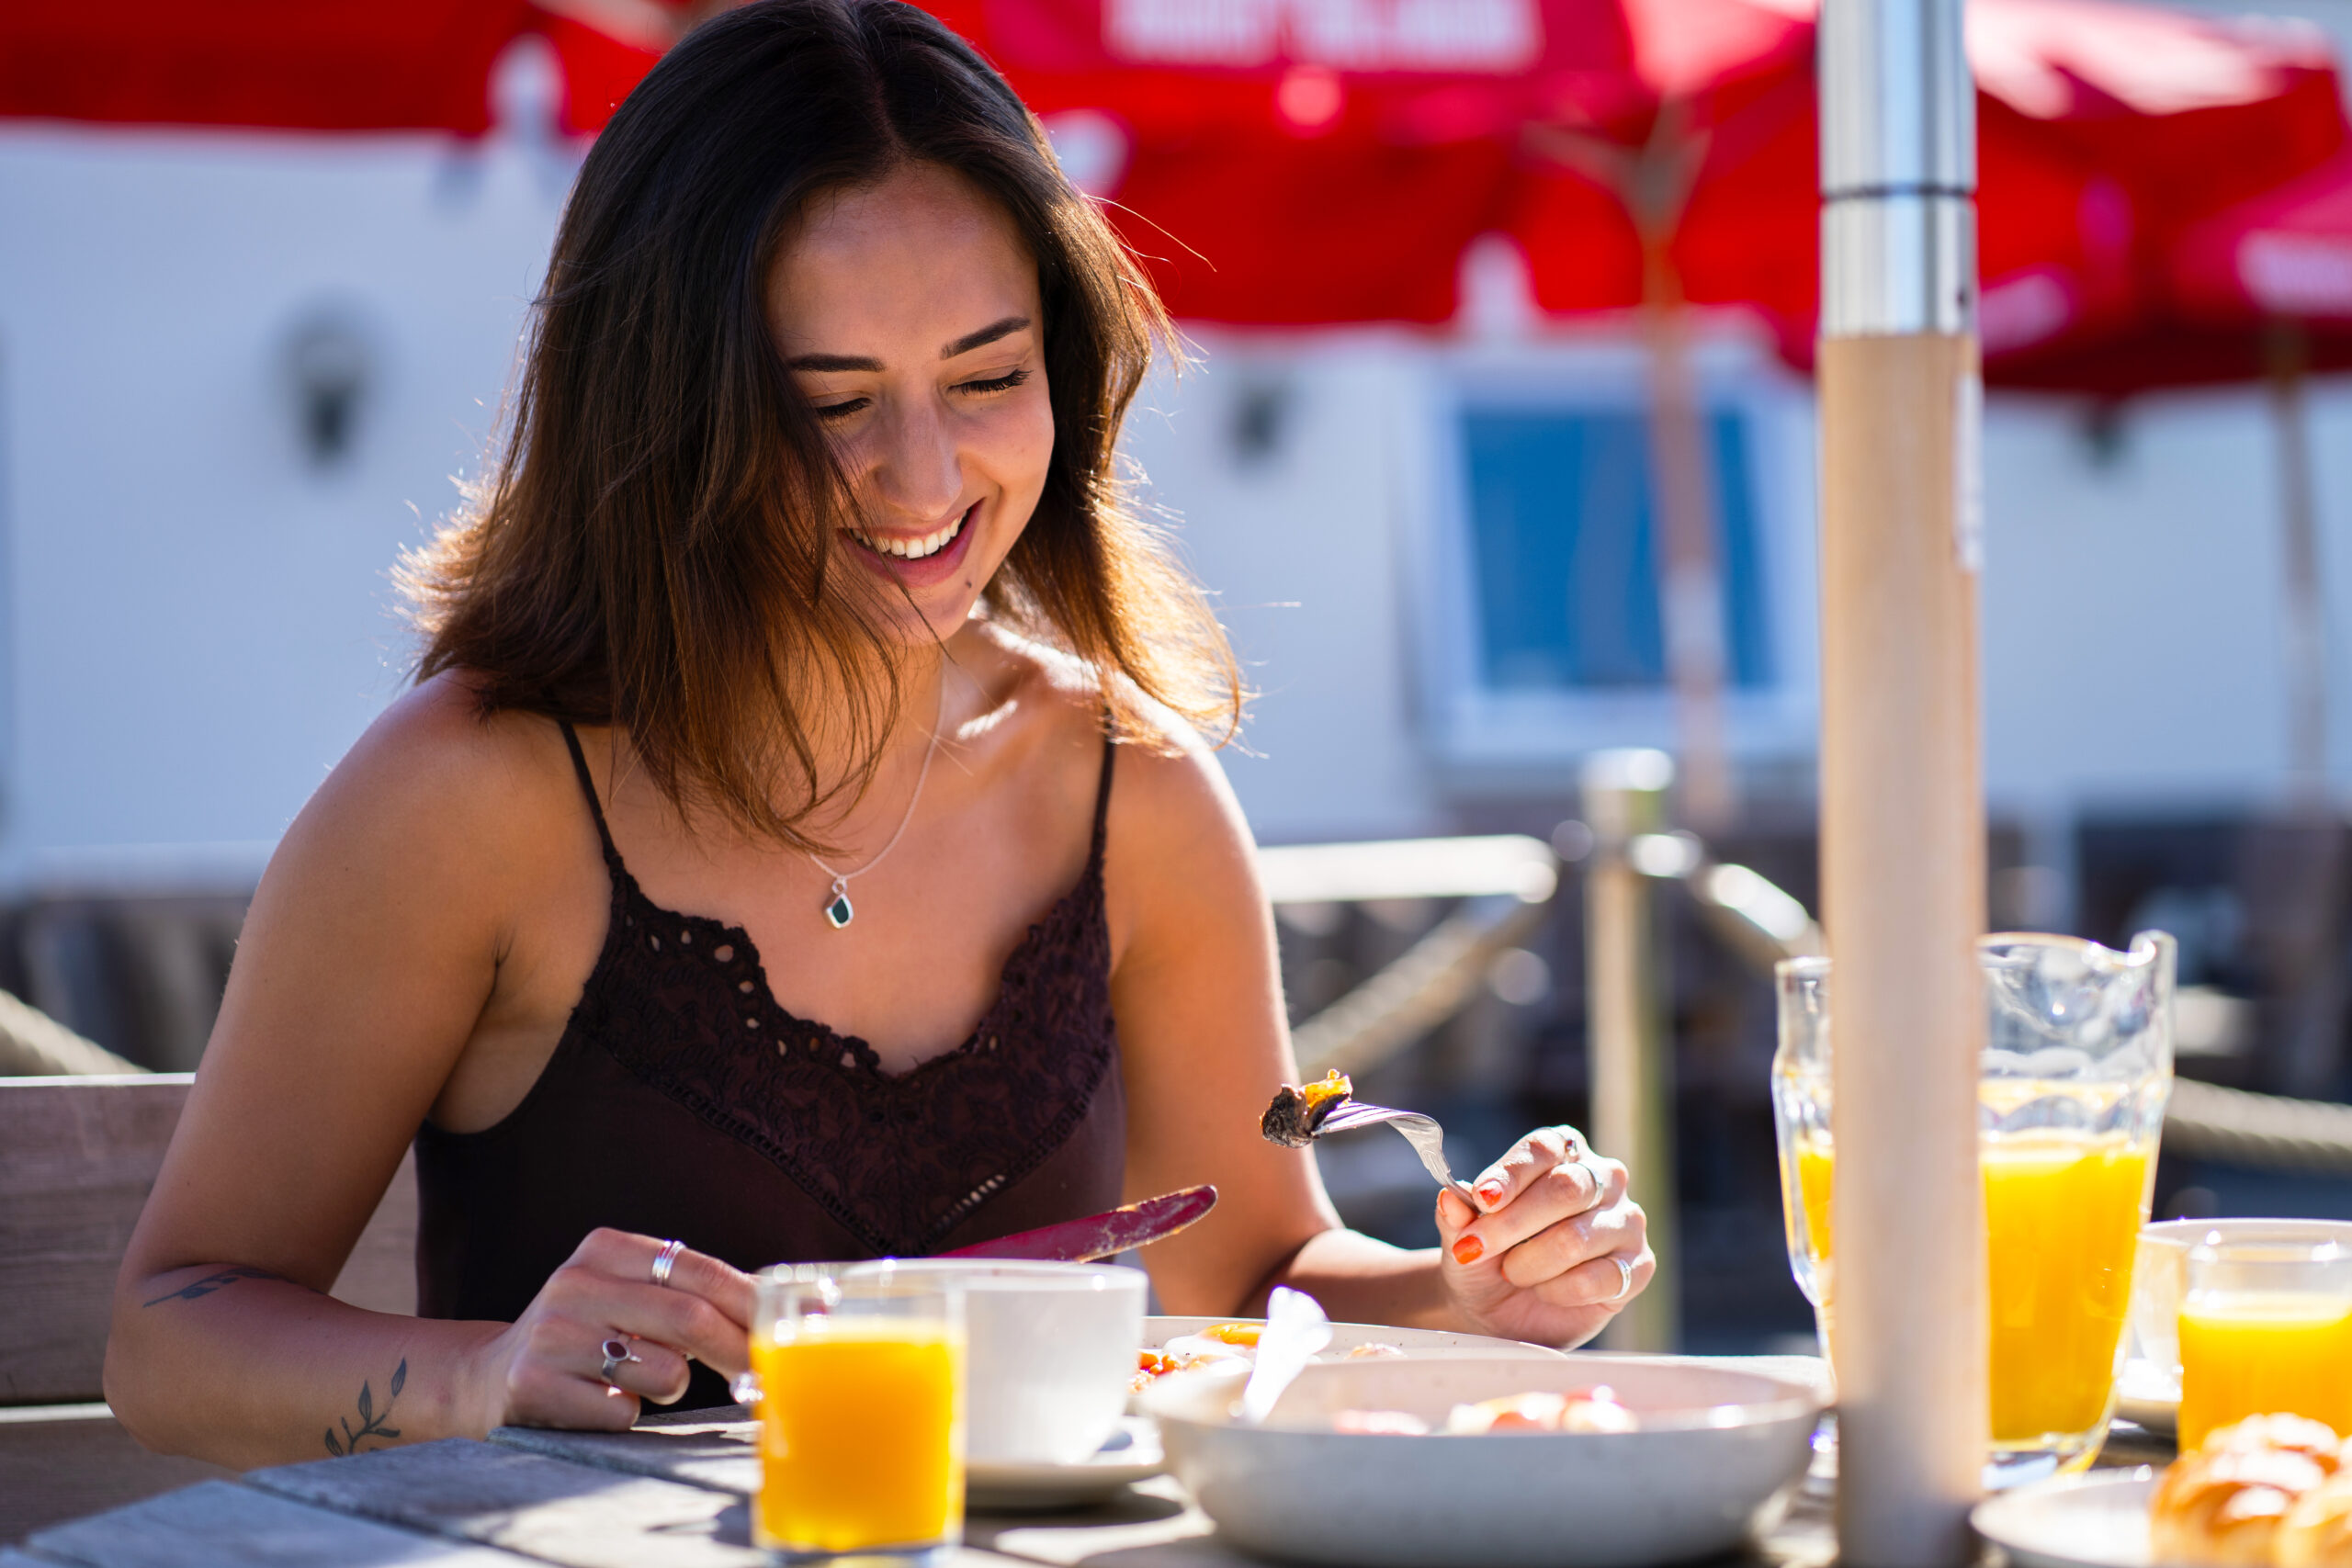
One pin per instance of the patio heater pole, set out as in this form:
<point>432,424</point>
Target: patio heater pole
<point>1901,806</point>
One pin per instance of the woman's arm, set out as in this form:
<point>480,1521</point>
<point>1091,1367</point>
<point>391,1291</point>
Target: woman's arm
<point>1204,1042</point>
<point>380,945</point>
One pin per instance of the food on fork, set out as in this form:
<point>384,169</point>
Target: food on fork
<point>1298,1112</point>
<point>2225,1504</point>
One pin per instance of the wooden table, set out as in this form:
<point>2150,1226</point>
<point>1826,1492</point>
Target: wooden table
<point>671,1494</point>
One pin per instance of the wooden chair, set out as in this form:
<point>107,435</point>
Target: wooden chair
<point>77,1158</point>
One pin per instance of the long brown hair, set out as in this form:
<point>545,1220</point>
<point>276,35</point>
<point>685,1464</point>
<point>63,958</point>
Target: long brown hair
<point>653,547</point>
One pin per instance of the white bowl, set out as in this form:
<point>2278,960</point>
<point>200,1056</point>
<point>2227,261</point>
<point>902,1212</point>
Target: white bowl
<point>1713,1462</point>
<point>1051,1349</point>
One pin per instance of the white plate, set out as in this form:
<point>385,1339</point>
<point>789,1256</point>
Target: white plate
<point>2145,1395</point>
<point>2084,1521</point>
<point>1131,1454</point>
<point>1718,1453</point>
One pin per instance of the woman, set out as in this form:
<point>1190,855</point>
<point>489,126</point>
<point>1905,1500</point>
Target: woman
<point>801,663</point>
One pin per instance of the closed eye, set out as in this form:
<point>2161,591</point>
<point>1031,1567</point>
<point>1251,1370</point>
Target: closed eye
<point>1003,383</point>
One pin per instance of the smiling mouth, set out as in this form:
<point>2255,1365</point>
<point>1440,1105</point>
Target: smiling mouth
<point>921,547</point>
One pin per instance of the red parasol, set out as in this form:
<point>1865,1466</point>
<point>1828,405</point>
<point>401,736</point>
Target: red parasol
<point>315,64</point>
<point>1283,169</point>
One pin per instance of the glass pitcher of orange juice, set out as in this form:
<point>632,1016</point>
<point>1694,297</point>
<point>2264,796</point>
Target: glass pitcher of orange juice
<point>2071,1098</point>
<point>2266,1329</point>
<point>859,1384</point>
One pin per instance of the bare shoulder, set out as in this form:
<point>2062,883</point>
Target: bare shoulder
<point>442,791</point>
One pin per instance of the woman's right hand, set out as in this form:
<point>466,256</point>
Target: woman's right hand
<point>546,1370</point>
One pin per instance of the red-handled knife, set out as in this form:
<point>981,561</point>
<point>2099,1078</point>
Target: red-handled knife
<point>1101,1235</point>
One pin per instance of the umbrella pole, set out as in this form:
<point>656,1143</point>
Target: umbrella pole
<point>1902,808</point>
<point>2285,353</point>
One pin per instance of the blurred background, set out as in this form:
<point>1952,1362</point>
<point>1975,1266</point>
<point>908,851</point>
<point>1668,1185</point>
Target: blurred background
<point>1497,447</point>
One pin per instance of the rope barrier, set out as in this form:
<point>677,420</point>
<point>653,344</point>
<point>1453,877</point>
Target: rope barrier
<point>1425,986</point>
<point>2270,1132</point>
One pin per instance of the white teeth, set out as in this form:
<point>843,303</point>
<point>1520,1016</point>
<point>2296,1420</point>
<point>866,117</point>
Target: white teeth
<point>916,549</point>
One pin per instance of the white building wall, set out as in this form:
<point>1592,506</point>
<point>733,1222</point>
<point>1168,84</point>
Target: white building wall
<point>197,621</point>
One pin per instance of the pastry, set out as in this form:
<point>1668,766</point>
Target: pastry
<point>2221,1509</point>
<point>2317,1531</point>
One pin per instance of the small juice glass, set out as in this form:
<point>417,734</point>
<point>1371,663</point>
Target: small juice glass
<point>2076,1070</point>
<point>860,1387</point>
<point>2266,1329</point>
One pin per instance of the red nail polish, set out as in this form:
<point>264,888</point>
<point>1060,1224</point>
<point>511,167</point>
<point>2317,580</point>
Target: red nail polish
<point>1468,1249</point>
<point>1490,1191</point>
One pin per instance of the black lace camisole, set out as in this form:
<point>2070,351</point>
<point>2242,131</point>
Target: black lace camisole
<point>684,1101</point>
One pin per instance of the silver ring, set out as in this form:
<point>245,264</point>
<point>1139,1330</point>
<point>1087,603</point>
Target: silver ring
<point>617,1355</point>
<point>1625,1278</point>
<point>665,1261</point>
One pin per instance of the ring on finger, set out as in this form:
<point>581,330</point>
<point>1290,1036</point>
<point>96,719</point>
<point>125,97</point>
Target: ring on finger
<point>1625,1278</point>
<point>665,1261</point>
<point>617,1354</point>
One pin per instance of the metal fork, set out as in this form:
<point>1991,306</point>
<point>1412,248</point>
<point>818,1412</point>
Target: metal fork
<point>1422,1132</point>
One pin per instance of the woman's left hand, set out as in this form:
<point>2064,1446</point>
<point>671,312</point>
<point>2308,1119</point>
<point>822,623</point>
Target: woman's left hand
<point>1554,1246</point>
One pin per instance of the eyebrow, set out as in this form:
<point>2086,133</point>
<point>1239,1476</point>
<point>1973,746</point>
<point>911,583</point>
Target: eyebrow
<point>821,363</point>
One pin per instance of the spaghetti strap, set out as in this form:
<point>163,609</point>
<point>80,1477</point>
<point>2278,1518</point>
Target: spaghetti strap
<point>588,788</point>
<point>1102,796</point>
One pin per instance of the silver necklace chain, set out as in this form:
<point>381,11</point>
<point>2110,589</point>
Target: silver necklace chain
<point>838,911</point>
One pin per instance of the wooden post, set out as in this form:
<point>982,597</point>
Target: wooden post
<point>1902,896</point>
<point>1902,804</point>
<point>1627,1042</point>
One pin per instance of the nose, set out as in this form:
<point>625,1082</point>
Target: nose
<point>917,474</point>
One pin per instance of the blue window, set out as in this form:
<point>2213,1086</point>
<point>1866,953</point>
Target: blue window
<point>1565,552</point>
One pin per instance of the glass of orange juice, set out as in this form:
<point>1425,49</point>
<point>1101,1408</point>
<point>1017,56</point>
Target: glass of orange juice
<point>2266,1329</point>
<point>859,1381</point>
<point>2070,1100</point>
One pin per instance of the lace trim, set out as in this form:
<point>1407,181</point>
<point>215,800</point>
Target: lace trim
<point>683,1003</point>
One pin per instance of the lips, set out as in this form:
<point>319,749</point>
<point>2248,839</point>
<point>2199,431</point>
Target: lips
<point>898,547</point>
<point>918,560</point>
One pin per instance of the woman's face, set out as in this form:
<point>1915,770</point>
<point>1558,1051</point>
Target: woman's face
<point>908,311</point>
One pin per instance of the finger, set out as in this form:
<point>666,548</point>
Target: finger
<point>1453,1213</point>
<point>625,1255</point>
<point>1620,1228</point>
<point>1599,1282</point>
<point>678,1319</point>
<point>545,1387</point>
<point>1530,1158</point>
<point>653,1371</point>
<point>1561,1192</point>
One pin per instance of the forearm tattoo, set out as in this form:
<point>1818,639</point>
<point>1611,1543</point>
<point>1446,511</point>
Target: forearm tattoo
<point>371,1420</point>
<point>210,1283</point>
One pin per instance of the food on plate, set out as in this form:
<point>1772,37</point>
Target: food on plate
<point>1376,1350</point>
<point>1380,1423</point>
<point>1593,1410</point>
<point>1590,1410</point>
<point>2226,1503</point>
<point>2317,1531</point>
<point>1298,1112</point>
<point>1235,1333</point>
<point>2295,1434</point>
<point>1220,1342</point>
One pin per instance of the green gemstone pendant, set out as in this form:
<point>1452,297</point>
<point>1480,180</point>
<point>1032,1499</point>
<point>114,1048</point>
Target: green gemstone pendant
<point>838,911</point>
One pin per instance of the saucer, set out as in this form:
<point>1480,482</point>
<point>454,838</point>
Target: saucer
<point>2085,1521</point>
<point>1131,1453</point>
<point>2145,1393</point>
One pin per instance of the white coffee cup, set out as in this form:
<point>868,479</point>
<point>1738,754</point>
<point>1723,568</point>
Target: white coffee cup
<point>1051,1349</point>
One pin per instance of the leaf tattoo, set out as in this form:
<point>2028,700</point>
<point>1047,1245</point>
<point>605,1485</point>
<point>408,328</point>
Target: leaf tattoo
<point>371,1420</point>
<point>209,1283</point>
